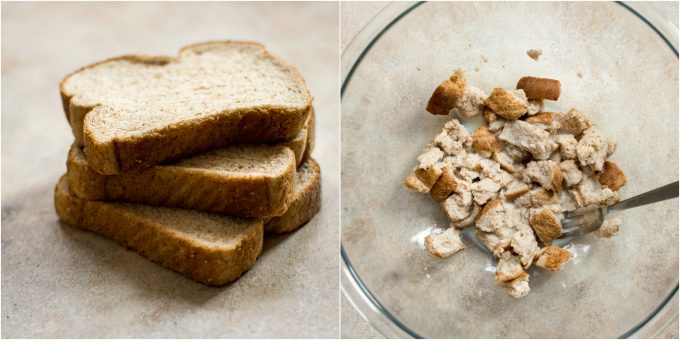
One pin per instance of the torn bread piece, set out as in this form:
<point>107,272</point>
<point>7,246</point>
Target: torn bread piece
<point>444,244</point>
<point>591,192</point>
<point>429,168</point>
<point>544,120</point>
<point>524,244</point>
<point>610,227</point>
<point>498,241</point>
<point>547,173</point>
<point>447,94</point>
<point>593,148</point>
<point>518,287</point>
<point>534,106</point>
<point>507,104</point>
<point>497,125</point>
<point>612,176</point>
<point>492,170</point>
<point>491,217</point>
<point>537,198</point>
<point>505,161</point>
<point>445,185</point>
<point>516,153</point>
<point>428,176</point>
<point>484,190</point>
<point>528,137</point>
<point>553,258</point>
<point>452,137</point>
<point>574,122</point>
<point>567,144</point>
<point>485,142</point>
<point>545,224</point>
<point>414,183</point>
<point>515,189</point>
<point>488,115</point>
<point>508,268</point>
<point>540,88</point>
<point>468,221</point>
<point>457,206</point>
<point>471,103</point>
<point>571,173</point>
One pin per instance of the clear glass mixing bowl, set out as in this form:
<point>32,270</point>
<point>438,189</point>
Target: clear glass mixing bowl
<point>618,63</point>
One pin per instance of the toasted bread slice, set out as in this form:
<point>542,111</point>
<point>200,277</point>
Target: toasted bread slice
<point>306,200</point>
<point>208,248</point>
<point>133,112</point>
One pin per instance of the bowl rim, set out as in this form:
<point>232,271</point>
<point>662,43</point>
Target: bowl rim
<point>353,287</point>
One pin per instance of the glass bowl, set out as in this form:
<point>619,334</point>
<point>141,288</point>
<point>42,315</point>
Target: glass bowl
<point>618,64</point>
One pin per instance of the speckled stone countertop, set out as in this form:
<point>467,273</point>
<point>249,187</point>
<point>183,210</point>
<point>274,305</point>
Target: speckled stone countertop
<point>354,15</point>
<point>58,281</point>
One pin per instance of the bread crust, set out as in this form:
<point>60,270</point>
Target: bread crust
<point>485,142</point>
<point>553,258</point>
<point>447,93</point>
<point>211,265</point>
<point>505,104</point>
<point>612,176</point>
<point>428,176</point>
<point>305,204</point>
<point>445,185</point>
<point>176,141</point>
<point>545,224</point>
<point>540,88</point>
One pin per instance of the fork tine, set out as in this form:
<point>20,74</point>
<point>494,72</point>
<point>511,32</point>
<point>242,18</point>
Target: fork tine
<point>571,233</point>
<point>574,213</point>
<point>571,222</point>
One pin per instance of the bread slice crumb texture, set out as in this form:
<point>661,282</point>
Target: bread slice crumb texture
<point>243,160</point>
<point>134,95</point>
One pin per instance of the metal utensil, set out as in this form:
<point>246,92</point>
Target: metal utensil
<point>589,219</point>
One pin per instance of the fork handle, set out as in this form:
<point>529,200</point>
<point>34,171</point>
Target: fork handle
<point>663,193</point>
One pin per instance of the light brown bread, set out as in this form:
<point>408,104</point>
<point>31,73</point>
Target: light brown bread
<point>303,141</point>
<point>612,176</point>
<point>485,142</point>
<point>447,94</point>
<point>133,112</point>
<point>546,225</point>
<point>208,248</point>
<point>306,200</point>
<point>445,185</point>
<point>553,258</point>
<point>507,104</point>
<point>540,88</point>
<point>238,180</point>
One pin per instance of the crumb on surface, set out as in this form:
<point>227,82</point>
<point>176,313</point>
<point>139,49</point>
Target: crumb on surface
<point>534,53</point>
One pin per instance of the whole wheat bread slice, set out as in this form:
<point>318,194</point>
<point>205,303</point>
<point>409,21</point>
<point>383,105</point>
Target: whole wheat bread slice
<point>306,200</point>
<point>205,247</point>
<point>238,180</point>
<point>137,111</point>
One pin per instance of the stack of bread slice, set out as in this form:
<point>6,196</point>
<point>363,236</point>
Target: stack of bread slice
<point>189,160</point>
